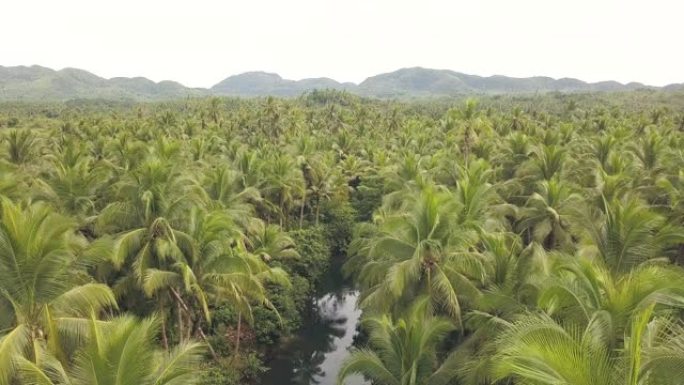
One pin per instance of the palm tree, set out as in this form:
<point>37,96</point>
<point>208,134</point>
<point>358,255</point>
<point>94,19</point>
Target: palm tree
<point>545,217</point>
<point>284,183</point>
<point>270,242</point>
<point>409,171</point>
<point>626,234</point>
<point>546,162</point>
<point>45,290</point>
<point>11,184</point>
<point>214,110</point>
<point>538,350</point>
<point>477,199</point>
<point>322,183</point>
<point>673,189</point>
<point>613,180</point>
<point>404,351</point>
<point>649,151</point>
<point>519,120</point>
<point>473,127</point>
<point>73,188</point>
<point>21,145</point>
<point>663,352</point>
<point>151,201</point>
<point>420,249</point>
<point>126,152</point>
<point>513,274</point>
<point>250,166</point>
<point>220,270</point>
<point>580,288</point>
<point>515,151</point>
<point>223,188</point>
<point>146,220</point>
<point>119,352</point>
<point>651,155</point>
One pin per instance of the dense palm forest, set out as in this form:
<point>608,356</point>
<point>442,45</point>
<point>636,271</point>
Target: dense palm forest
<point>505,240</point>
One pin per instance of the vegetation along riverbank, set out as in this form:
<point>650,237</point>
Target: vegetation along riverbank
<point>529,239</point>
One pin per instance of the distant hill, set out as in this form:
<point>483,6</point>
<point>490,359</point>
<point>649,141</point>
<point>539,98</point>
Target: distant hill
<point>40,83</point>
<point>674,87</point>
<point>263,83</point>
<point>425,82</point>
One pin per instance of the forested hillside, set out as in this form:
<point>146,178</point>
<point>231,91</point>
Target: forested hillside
<point>501,240</point>
<point>36,83</point>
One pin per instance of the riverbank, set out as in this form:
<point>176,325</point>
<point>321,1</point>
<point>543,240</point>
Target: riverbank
<point>315,354</point>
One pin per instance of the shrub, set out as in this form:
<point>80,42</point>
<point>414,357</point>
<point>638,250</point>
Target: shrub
<point>339,219</point>
<point>314,254</point>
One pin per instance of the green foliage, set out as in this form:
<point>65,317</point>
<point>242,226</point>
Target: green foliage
<point>404,350</point>
<point>119,352</point>
<point>246,370</point>
<point>339,220</point>
<point>368,197</point>
<point>541,234</point>
<point>291,303</point>
<point>219,375</point>
<point>314,254</point>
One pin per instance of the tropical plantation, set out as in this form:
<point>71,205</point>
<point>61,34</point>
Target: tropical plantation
<point>531,240</point>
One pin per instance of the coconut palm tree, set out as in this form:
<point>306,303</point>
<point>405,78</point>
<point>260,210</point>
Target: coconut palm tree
<point>420,249</point>
<point>45,291</point>
<point>270,242</point>
<point>322,183</point>
<point>547,213</point>
<point>150,202</point>
<point>223,188</point>
<point>663,352</point>
<point>146,221</point>
<point>21,145</point>
<point>73,188</point>
<point>625,234</point>
<point>12,186</point>
<point>283,184</point>
<point>410,171</point>
<point>119,352</point>
<point>220,270</point>
<point>548,161</point>
<point>539,350</point>
<point>580,288</point>
<point>479,204</point>
<point>404,352</point>
<point>515,150</point>
<point>513,275</point>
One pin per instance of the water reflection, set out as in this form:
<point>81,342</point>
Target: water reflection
<point>316,354</point>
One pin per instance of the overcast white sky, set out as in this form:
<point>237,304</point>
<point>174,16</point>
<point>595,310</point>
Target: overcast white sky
<point>200,42</point>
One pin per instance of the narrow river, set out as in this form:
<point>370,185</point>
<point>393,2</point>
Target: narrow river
<point>314,356</point>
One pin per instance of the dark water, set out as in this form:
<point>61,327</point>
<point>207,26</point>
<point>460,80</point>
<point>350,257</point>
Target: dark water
<point>315,355</point>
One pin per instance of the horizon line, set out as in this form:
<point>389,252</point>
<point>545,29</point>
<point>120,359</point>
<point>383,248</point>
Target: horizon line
<point>340,82</point>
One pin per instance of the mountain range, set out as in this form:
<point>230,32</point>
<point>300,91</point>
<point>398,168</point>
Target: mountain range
<point>23,83</point>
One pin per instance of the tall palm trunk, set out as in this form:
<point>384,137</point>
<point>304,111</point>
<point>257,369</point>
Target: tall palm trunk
<point>237,337</point>
<point>190,325</point>
<point>301,211</point>
<point>181,337</point>
<point>281,201</point>
<point>180,306</point>
<point>206,341</point>
<point>165,338</point>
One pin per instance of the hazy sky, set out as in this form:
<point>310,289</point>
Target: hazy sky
<point>200,42</point>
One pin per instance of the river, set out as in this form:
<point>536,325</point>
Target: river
<point>314,356</point>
